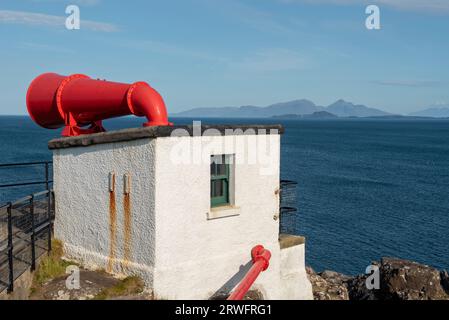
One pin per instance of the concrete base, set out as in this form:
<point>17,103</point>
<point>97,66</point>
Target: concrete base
<point>294,282</point>
<point>22,285</point>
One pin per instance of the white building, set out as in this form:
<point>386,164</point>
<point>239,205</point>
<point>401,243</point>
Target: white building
<point>158,203</point>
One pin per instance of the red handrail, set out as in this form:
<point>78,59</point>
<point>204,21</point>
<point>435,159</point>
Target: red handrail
<point>261,258</point>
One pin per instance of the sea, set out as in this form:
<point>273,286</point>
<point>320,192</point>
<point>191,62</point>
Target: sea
<point>366,188</point>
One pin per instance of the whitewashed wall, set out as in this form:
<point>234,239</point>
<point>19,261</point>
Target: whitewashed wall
<point>294,281</point>
<point>81,184</point>
<point>196,256</point>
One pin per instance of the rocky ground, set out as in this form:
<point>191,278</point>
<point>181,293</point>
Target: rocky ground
<point>94,285</point>
<point>399,280</point>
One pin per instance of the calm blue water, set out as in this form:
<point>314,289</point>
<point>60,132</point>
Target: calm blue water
<point>367,189</point>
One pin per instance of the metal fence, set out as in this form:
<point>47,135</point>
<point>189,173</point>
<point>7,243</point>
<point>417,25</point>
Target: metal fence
<point>25,235</point>
<point>288,207</point>
<point>21,179</point>
<point>25,225</point>
<point>42,181</point>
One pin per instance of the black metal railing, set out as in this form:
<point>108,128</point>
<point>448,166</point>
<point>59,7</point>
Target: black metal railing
<point>25,234</point>
<point>288,211</point>
<point>26,224</point>
<point>45,181</point>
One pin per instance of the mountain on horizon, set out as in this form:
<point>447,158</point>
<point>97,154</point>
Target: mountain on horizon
<point>340,108</point>
<point>441,111</point>
<point>343,108</point>
<point>319,115</point>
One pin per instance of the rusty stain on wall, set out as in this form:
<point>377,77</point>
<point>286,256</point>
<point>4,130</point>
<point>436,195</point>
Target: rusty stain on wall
<point>112,227</point>
<point>127,228</point>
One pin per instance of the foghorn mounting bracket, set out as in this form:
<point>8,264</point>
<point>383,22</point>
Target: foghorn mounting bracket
<point>72,129</point>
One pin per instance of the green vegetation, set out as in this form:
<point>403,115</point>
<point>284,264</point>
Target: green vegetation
<point>126,287</point>
<point>51,266</point>
<point>54,267</point>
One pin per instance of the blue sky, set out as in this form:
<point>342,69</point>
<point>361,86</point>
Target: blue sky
<point>207,53</point>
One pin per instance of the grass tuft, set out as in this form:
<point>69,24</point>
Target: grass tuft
<point>126,287</point>
<point>51,266</point>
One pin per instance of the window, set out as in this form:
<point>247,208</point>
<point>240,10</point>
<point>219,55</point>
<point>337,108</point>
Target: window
<point>219,180</point>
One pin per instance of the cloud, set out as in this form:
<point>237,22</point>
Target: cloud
<point>77,2</point>
<point>433,6</point>
<point>251,16</point>
<point>407,83</point>
<point>40,19</point>
<point>43,47</point>
<point>85,2</point>
<point>166,48</point>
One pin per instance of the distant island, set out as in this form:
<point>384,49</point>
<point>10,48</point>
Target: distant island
<point>306,109</point>
<point>434,112</point>
<point>321,115</point>
<point>315,115</point>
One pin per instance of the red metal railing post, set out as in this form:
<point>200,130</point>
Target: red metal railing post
<point>261,258</point>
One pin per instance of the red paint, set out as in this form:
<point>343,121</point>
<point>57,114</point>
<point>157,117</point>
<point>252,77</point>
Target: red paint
<point>261,258</point>
<point>76,101</point>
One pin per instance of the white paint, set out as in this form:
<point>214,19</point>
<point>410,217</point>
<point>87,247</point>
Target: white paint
<point>295,283</point>
<point>81,181</point>
<point>223,212</point>
<point>180,247</point>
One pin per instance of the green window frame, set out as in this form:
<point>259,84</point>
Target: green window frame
<point>219,181</point>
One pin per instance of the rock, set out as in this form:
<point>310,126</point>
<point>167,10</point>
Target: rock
<point>398,280</point>
<point>62,295</point>
<point>445,281</point>
<point>328,285</point>
<point>334,277</point>
<point>252,294</point>
<point>91,284</point>
<point>358,290</point>
<point>407,280</point>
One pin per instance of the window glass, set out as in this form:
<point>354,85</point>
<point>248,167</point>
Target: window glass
<point>221,169</point>
<point>217,188</point>
<point>219,183</point>
<point>213,169</point>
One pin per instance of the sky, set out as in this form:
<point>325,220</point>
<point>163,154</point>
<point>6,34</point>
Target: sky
<point>214,53</point>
